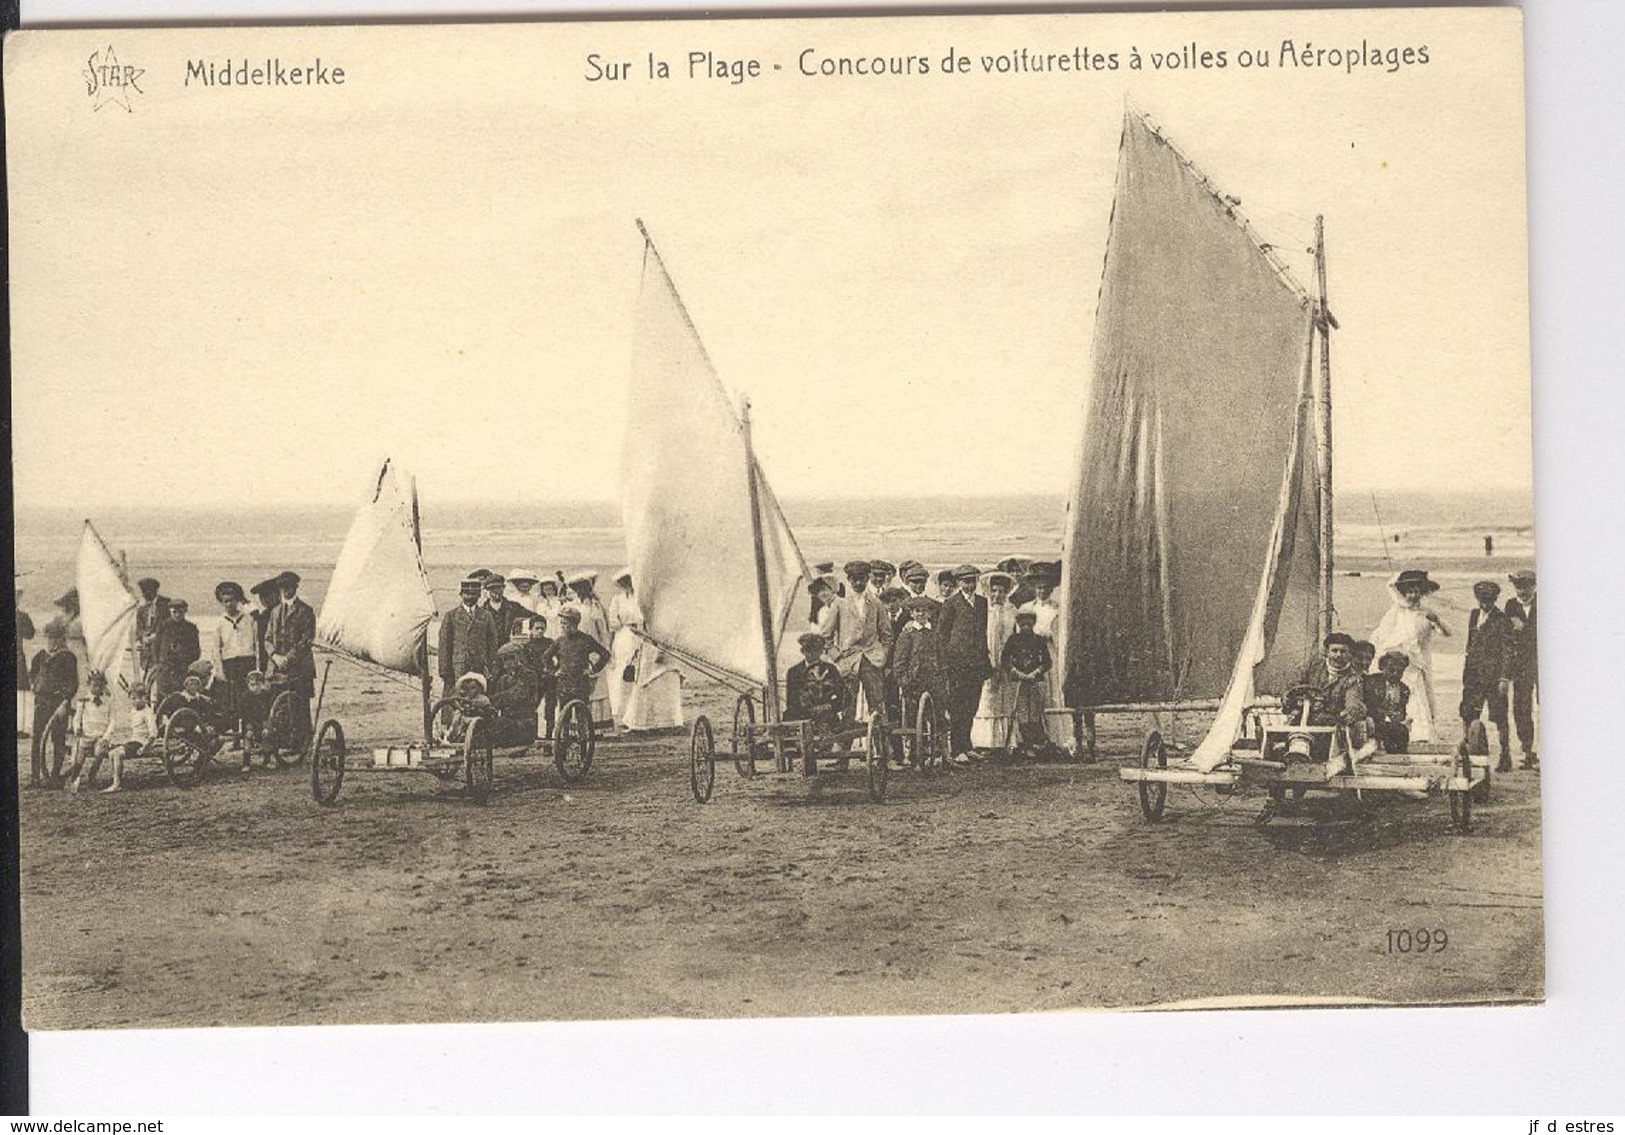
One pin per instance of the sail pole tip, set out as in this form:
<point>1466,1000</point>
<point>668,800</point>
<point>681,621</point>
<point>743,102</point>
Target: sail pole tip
<point>639,222</point>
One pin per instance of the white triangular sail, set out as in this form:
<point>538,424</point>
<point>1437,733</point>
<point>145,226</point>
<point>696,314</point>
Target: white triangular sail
<point>379,603</point>
<point>106,607</point>
<point>685,502</point>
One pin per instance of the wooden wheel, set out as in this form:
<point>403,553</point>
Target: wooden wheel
<point>742,741</point>
<point>479,760</point>
<point>1153,794</point>
<point>446,722</point>
<point>927,738</point>
<point>1461,803</point>
<point>876,758</point>
<point>183,748</point>
<point>702,759</point>
<point>573,741</point>
<point>327,762</point>
<point>281,737</point>
<point>168,705</point>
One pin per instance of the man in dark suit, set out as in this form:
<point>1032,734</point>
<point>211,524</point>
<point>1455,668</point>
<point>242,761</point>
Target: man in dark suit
<point>1523,664</point>
<point>290,637</point>
<point>468,638</point>
<point>504,612</point>
<point>175,647</point>
<point>1484,671</point>
<point>962,629</point>
<point>150,614</point>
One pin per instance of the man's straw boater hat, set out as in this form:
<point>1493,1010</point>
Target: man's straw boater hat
<point>967,571</point>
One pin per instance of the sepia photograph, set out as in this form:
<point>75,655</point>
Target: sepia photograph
<point>908,515</point>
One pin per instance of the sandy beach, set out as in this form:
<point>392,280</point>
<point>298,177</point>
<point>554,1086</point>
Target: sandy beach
<point>998,889</point>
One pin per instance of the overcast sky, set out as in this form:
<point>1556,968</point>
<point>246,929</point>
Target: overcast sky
<point>229,295</point>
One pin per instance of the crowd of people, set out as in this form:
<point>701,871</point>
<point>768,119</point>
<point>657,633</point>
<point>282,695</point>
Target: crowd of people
<point>981,644</point>
<point>517,647</point>
<point>1393,707</point>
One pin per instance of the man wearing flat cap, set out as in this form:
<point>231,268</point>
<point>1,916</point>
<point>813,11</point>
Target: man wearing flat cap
<point>1484,679</point>
<point>176,646</point>
<point>860,630</point>
<point>150,614</point>
<point>234,653</point>
<point>1338,687</point>
<point>962,629</point>
<point>290,637</point>
<point>813,688</point>
<point>468,638</point>
<point>1523,664</point>
<point>504,611</point>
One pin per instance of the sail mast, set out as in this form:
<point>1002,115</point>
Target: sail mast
<point>1324,322</point>
<point>764,601</point>
<point>423,648</point>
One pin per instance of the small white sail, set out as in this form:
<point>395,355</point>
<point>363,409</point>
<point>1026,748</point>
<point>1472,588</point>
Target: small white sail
<point>379,603</point>
<point>685,501</point>
<point>106,607</point>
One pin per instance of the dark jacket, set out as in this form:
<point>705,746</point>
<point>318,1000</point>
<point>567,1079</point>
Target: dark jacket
<point>54,677</point>
<point>1026,652</point>
<point>25,631</point>
<point>505,617</point>
<point>1385,704</point>
<point>917,660</point>
<point>1489,647</point>
<point>813,691</point>
<point>176,647</point>
<point>962,629</point>
<point>468,642</point>
<point>1338,699</point>
<point>291,632</point>
<point>1523,661</point>
<point>515,691</point>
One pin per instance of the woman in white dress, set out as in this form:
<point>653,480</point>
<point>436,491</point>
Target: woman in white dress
<point>1044,579</point>
<point>1408,627</point>
<point>645,690</point>
<point>991,727</point>
<point>594,622</point>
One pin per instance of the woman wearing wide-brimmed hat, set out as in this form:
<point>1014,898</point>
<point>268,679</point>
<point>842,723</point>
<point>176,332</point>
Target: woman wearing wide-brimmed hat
<point>1408,627</point>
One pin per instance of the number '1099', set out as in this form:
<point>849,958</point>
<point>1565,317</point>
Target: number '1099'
<point>1417,941</point>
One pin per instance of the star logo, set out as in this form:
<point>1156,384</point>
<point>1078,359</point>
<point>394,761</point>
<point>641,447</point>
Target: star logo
<point>109,81</point>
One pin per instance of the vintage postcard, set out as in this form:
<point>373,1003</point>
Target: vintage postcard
<point>775,516</point>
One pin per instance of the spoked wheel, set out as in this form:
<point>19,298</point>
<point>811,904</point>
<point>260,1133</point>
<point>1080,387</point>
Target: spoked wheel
<point>479,761</point>
<point>744,718</point>
<point>446,722</point>
<point>927,738</point>
<point>1461,803</point>
<point>327,763</point>
<point>573,742</point>
<point>1153,794</point>
<point>876,759</point>
<point>282,739</point>
<point>1477,744</point>
<point>166,706</point>
<point>702,759</point>
<point>183,752</point>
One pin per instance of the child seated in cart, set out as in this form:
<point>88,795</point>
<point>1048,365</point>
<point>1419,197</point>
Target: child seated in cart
<point>140,733</point>
<point>193,698</point>
<point>92,726</point>
<point>514,696</point>
<point>1391,721</point>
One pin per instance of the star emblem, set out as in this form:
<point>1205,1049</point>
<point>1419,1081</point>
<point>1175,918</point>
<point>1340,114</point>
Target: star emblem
<point>109,81</point>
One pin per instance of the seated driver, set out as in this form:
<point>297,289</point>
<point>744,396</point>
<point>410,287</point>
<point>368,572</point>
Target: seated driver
<point>515,694</point>
<point>813,689</point>
<point>1336,691</point>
